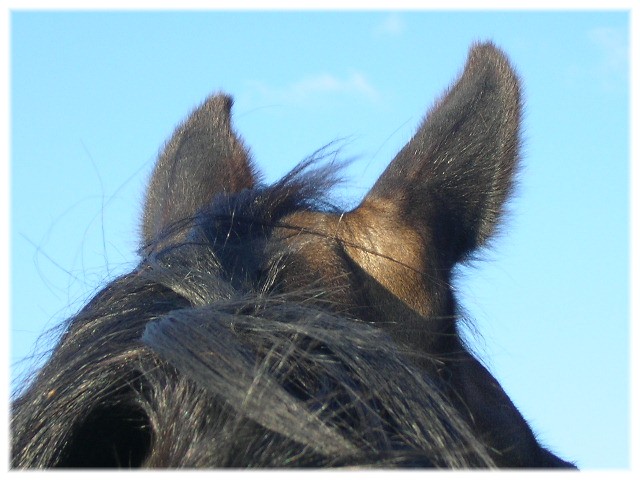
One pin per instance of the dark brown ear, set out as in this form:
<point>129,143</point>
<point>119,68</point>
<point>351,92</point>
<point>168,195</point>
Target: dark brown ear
<point>450,182</point>
<point>203,159</point>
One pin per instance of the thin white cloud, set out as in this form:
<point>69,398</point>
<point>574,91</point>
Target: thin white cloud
<point>317,87</point>
<point>612,67</point>
<point>608,61</point>
<point>391,25</point>
<point>614,46</point>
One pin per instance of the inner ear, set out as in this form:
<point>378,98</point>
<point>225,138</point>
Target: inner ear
<point>203,159</point>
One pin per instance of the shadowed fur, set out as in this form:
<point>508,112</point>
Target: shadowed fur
<point>265,328</point>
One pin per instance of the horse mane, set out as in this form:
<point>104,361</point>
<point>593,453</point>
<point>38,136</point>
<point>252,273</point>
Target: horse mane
<point>322,386</point>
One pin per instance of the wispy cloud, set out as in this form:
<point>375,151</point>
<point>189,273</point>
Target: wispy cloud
<point>317,88</point>
<point>613,44</point>
<point>391,25</point>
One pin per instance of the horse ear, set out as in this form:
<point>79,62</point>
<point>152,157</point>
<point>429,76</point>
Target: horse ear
<point>450,182</point>
<point>204,158</point>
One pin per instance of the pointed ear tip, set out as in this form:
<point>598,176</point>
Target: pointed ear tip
<point>219,101</point>
<point>487,49</point>
<point>487,58</point>
<point>214,110</point>
<point>487,52</point>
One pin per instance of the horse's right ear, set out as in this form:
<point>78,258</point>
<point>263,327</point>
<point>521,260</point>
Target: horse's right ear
<point>203,158</point>
<point>449,184</point>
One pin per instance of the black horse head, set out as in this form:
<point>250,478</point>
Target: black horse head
<point>264,327</point>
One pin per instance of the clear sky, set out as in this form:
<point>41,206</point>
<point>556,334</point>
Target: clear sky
<point>94,96</point>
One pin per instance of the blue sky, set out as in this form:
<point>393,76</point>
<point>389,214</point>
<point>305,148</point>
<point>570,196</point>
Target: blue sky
<point>94,96</point>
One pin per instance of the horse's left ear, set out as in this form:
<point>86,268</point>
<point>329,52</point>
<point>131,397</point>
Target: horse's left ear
<point>203,158</point>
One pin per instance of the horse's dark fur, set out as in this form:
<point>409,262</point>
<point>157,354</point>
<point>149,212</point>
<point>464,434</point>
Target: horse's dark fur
<point>264,328</point>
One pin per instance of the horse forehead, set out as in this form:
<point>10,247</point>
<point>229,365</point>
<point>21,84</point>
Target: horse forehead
<point>314,236</point>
